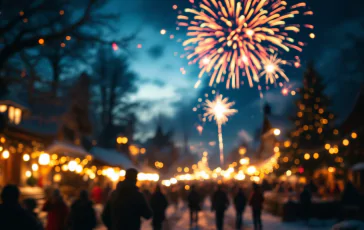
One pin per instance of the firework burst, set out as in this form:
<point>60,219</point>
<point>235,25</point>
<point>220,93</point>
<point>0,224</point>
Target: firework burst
<point>272,69</point>
<point>219,110</point>
<point>234,38</point>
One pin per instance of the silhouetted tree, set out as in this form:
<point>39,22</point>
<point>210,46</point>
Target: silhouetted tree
<point>30,24</point>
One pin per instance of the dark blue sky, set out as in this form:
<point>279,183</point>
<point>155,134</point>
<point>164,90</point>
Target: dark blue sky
<point>171,94</point>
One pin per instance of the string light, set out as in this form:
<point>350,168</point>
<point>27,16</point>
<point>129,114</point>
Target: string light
<point>354,135</point>
<point>345,142</point>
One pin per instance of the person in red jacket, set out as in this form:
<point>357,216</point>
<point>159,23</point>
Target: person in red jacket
<point>57,212</point>
<point>256,202</point>
<point>96,194</point>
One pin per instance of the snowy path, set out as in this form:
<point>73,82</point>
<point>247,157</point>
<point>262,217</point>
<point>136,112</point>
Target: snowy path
<point>180,221</point>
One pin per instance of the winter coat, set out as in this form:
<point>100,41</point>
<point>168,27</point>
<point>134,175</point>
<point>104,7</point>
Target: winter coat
<point>159,204</point>
<point>194,200</point>
<point>15,217</point>
<point>125,208</point>
<point>57,214</point>
<point>82,215</point>
<point>220,201</point>
<point>305,198</point>
<point>240,202</point>
<point>96,194</point>
<point>256,200</point>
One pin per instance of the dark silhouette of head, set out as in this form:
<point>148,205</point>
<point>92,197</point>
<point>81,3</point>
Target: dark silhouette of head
<point>84,195</point>
<point>255,187</point>
<point>131,175</point>
<point>10,194</point>
<point>30,204</point>
<point>193,187</point>
<point>158,188</point>
<point>219,187</point>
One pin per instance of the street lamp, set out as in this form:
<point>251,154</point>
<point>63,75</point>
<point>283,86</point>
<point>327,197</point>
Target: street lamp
<point>277,132</point>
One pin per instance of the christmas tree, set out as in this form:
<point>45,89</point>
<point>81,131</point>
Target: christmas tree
<point>304,151</point>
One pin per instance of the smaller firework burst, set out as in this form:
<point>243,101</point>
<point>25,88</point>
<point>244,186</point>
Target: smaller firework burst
<point>219,110</point>
<point>272,69</point>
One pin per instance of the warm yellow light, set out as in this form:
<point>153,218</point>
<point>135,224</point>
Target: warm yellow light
<point>26,157</point>
<point>35,167</point>
<point>119,140</point>
<point>285,159</point>
<point>242,150</point>
<point>163,31</point>
<point>92,176</point>
<point>142,150</point>
<point>44,159</point>
<point>239,176</point>
<point>179,169</point>
<point>5,154</point>
<point>327,146</point>
<point>316,155</point>
<point>68,38</point>
<point>331,150</point>
<point>345,142</point>
<point>28,174</point>
<point>288,173</point>
<point>205,154</point>
<point>293,92</point>
<point>331,169</point>
<point>173,181</point>
<point>305,127</point>
<point>186,170</point>
<point>187,187</point>
<point>244,161</point>
<point>2,140</point>
<point>41,41</point>
<point>57,177</point>
<point>287,144</point>
<point>307,156</point>
<point>57,169</point>
<point>277,132</point>
<point>312,35</point>
<point>276,149</point>
<point>251,170</point>
<point>72,165</point>
<point>54,157</point>
<point>3,108</point>
<point>79,168</point>
<point>354,135</point>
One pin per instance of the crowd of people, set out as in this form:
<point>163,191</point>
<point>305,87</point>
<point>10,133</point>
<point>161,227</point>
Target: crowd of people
<point>127,205</point>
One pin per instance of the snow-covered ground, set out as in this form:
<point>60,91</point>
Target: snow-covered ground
<point>180,221</point>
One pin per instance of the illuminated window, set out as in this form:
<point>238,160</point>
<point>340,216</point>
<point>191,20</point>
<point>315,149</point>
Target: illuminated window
<point>3,108</point>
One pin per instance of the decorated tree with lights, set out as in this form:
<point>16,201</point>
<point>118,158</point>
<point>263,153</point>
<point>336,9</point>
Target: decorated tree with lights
<point>305,151</point>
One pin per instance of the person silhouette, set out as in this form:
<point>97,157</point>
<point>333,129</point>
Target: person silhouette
<point>30,204</point>
<point>256,202</point>
<point>57,212</point>
<point>220,202</point>
<point>126,205</point>
<point>159,204</point>
<point>12,215</point>
<point>82,215</point>
<point>194,200</point>
<point>239,204</point>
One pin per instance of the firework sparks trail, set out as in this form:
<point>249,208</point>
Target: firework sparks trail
<point>234,38</point>
<point>219,110</point>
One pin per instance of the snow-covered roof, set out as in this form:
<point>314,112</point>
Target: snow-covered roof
<point>358,167</point>
<point>14,100</point>
<point>112,157</point>
<point>68,148</point>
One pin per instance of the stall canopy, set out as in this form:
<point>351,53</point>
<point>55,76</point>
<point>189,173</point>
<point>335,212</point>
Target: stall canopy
<point>112,157</point>
<point>67,148</point>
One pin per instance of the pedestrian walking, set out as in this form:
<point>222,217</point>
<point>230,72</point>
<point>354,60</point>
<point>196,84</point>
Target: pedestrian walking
<point>305,200</point>
<point>30,204</point>
<point>126,205</point>
<point>220,202</point>
<point>96,194</point>
<point>239,204</point>
<point>194,201</point>
<point>159,204</point>
<point>12,215</point>
<point>82,215</point>
<point>106,192</point>
<point>57,211</point>
<point>256,202</point>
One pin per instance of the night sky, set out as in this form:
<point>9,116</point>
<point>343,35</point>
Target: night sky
<point>172,96</point>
